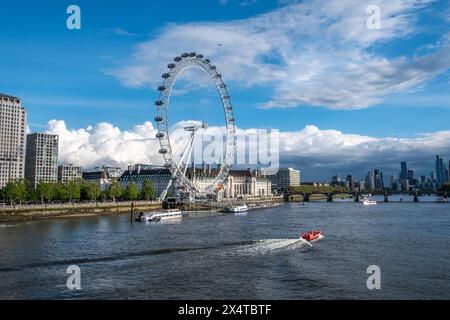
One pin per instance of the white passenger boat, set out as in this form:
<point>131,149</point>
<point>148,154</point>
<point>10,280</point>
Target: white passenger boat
<point>368,202</point>
<point>159,215</point>
<point>441,200</point>
<point>237,209</point>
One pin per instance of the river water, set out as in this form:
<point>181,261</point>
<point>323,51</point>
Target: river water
<point>255,256</point>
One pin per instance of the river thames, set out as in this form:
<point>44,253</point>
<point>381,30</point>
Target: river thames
<point>235,257</point>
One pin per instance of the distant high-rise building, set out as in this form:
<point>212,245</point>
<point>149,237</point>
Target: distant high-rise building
<point>411,176</point>
<point>393,183</point>
<point>351,183</point>
<point>335,180</point>
<point>13,124</point>
<point>369,183</point>
<point>403,181</point>
<point>423,179</point>
<point>285,178</point>
<point>448,171</point>
<point>378,179</point>
<point>69,172</point>
<point>439,169</point>
<point>446,176</point>
<point>41,163</point>
<point>403,170</point>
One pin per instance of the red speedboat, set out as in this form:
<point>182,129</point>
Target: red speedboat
<point>312,236</point>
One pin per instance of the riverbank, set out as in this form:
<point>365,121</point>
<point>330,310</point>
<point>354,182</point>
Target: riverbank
<point>78,210</point>
<point>22,213</point>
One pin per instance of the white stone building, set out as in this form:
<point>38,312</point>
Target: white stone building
<point>239,183</point>
<point>285,178</point>
<point>13,123</point>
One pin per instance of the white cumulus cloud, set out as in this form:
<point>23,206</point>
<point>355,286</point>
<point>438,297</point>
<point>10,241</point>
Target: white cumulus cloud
<point>312,149</point>
<point>314,52</point>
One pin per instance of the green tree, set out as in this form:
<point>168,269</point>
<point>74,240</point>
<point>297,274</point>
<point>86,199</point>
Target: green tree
<point>94,191</point>
<point>60,192</point>
<point>73,190</point>
<point>131,192</point>
<point>147,192</point>
<point>16,192</point>
<point>45,192</point>
<point>114,191</point>
<point>2,194</point>
<point>89,191</point>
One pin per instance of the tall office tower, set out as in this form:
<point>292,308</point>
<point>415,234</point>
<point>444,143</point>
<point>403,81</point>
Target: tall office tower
<point>351,183</point>
<point>411,177</point>
<point>448,171</point>
<point>446,176</point>
<point>433,176</point>
<point>439,169</point>
<point>41,163</point>
<point>393,183</point>
<point>369,183</point>
<point>403,171</point>
<point>378,179</point>
<point>13,123</point>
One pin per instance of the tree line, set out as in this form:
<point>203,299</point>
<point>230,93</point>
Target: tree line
<point>19,192</point>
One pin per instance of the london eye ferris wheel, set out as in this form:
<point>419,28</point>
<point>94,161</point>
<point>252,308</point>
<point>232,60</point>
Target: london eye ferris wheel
<point>178,167</point>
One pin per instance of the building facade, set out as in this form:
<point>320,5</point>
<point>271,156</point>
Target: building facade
<point>285,178</point>
<point>41,161</point>
<point>246,183</point>
<point>103,176</point>
<point>159,177</point>
<point>13,123</point>
<point>350,183</point>
<point>239,183</point>
<point>67,173</point>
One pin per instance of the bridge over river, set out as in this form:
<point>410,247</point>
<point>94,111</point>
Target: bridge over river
<point>331,196</point>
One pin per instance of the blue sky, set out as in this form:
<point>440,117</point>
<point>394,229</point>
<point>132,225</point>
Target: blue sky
<point>283,71</point>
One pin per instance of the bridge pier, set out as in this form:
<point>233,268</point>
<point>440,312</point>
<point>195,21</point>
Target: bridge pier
<point>416,197</point>
<point>356,197</point>
<point>386,197</point>
<point>329,198</point>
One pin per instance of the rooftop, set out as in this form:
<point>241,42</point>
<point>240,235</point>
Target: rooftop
<point>8,96</point>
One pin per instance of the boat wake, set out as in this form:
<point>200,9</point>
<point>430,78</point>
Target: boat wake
<point>230,249</point>
<point>268,246</point>
<point>7,225</point>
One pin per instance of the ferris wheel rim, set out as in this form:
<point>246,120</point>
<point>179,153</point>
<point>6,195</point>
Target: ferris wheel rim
<point>181,64</point>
